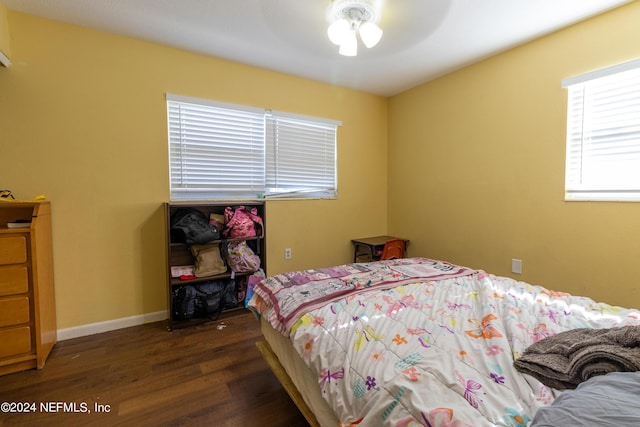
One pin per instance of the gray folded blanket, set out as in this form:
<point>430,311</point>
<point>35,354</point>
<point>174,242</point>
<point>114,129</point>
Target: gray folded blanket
<point>565,360</point>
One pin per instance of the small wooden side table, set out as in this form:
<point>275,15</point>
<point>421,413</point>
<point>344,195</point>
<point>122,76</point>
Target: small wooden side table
<point>369,249</point>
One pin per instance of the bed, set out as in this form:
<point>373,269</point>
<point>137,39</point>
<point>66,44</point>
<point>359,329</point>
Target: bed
<point>415,341</point>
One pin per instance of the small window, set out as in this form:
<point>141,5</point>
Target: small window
<point>603,134</point>
<point>227,151</point>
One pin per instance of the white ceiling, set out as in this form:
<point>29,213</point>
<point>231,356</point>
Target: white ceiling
<point>423,39</point>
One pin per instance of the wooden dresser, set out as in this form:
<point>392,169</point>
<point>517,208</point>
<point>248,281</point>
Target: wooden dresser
<point>27,304</point>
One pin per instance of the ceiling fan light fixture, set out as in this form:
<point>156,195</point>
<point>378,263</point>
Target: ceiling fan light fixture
<point>351,17</point>
<point>338,31</point>
<point>349,45</point>
<point>370,34</point>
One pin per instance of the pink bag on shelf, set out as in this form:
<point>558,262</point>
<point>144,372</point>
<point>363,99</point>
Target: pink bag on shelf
<point>241,222</point>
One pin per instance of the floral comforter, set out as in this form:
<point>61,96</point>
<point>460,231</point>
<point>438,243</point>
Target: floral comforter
<point>437,351</point>
<point>285,297</point>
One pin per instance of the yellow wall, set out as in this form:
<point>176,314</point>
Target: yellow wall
<point>5,46</point>
<point>476,167</point>
<point>83,120</point>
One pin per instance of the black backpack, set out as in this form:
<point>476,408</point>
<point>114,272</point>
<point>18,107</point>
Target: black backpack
<point>206,299</point>
<point>184,299</point>
<point>191,226</point>
<point>214,296</point>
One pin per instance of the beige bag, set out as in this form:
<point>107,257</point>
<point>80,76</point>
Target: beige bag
<point>207,259</point>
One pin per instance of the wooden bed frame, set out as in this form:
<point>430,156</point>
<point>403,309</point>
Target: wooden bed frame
<point>278,370</point>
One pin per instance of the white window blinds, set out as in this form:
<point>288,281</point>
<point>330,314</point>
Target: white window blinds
<point>603,134</point>
<point>300,156</point>
<point>223,151</point>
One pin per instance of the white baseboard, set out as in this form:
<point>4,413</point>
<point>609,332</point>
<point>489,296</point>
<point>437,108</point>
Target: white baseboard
<point>110,325</point>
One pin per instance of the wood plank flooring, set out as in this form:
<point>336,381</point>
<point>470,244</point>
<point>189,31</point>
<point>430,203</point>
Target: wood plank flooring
<point>208,375</point>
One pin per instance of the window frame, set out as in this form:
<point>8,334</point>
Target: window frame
<point>603,134</point>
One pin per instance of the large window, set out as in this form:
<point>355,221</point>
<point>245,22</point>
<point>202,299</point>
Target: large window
<point>603,134</point>
<point>226,151</point>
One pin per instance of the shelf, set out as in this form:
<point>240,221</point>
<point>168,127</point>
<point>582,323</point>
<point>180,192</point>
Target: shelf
<point>7,230</point>
<point>220,241</point>
<point>175,281</point>
<point>179,254</point>
<point>226,313</point>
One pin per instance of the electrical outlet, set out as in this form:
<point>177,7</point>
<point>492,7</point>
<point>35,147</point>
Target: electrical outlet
<point>516,266</point>
<point>287,253</point>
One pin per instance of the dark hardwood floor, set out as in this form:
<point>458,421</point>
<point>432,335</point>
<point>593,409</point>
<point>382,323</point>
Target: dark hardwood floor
<point>207,375</point>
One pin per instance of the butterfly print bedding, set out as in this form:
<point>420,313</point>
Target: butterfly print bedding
<point>436,352</point>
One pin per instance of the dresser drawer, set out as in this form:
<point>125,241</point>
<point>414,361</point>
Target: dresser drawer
<point>14,280</point>
<point>15,341</point>
<point>14,311</point>
<point>13,250</point>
